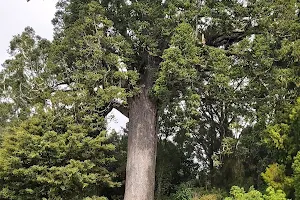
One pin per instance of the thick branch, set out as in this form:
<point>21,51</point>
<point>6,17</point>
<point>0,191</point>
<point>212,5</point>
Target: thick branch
<point>227,39</point>
<point>115,105</point>
<point>124,110</point>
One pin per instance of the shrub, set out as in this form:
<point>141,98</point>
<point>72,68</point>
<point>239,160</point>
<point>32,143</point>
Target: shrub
<point>209,197</point>
<point>275,177</point>
<point>48,159</point>
<point>237,193</point>
<point>184,192</point>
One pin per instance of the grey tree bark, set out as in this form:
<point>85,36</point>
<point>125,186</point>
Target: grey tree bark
<point>142,145</point>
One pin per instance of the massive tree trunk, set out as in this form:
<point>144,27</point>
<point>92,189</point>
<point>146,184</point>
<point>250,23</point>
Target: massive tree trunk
<point>142,145</point>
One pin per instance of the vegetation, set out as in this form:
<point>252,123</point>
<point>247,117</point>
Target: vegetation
<point>46,157</point>
<point>239,194</point>
<point>211,89</point>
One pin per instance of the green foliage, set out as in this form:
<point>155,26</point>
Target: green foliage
<point>25,79</point>
<point>51,158</point>
<point>273,194</point>
<point>178,68</point>
<point>205,194</point>
<point>278,134</point>
<point>209,197</point>
<point>285,133</point>
<point>276,178</point>
<point>184,192</point>
<point>224,76</point>
<point>296,169</point>
<point>173,170</point>
<point>188,191</point>
<point>238,193</point>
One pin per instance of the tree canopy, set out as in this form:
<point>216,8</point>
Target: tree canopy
<point>211,89</point>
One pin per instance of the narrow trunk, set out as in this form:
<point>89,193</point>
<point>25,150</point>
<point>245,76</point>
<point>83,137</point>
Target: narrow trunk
<point>142,144</point>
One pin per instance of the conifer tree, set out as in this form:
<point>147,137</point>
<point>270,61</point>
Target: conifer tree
<point>143,57</point>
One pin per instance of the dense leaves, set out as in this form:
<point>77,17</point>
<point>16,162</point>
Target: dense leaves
<point>50,158</point>
<point>224,76</point>
<point>240,194</point>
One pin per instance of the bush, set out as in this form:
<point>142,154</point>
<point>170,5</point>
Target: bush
<point>275,177</point>
<point>296,168</point>
<point>184,192</point>
<point>237,193</point>
<point>48,159</point>
<point>205,194</point>
<point>187,192</point>
<point>209,197</point>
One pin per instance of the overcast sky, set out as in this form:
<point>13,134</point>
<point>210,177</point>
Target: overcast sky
<point>15,15</point>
